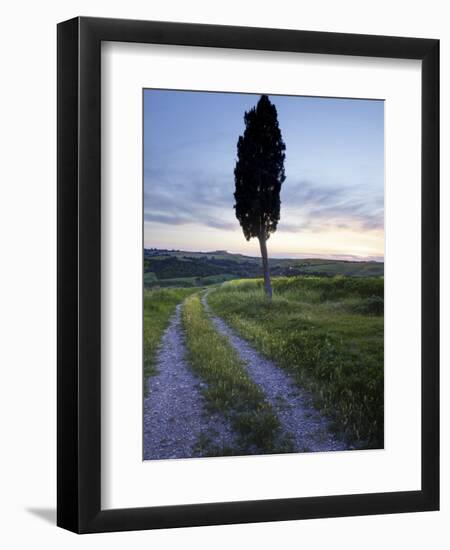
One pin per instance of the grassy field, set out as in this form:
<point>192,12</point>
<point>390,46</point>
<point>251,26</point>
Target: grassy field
<point>151,281</point>
<point>229,388</point>
<point>158,307</point>
<point>328,333</point>
<point>177,268</point>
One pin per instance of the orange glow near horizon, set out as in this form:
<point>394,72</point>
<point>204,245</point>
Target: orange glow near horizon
<point>330,242</point>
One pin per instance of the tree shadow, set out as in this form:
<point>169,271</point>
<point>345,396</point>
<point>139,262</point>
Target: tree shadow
<point>46,514</point>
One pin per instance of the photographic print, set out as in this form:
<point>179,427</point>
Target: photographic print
<point>263,274</point>
<point>221,275</point>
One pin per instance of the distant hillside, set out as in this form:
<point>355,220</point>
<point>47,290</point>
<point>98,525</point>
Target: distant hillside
<point>181,268</point>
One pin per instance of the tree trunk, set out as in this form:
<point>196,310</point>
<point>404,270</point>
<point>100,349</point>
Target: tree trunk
<point>265,265</point>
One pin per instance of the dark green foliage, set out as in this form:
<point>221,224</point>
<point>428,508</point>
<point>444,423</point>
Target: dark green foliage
<point>149,278</point>
<point>373,305</point>
<point>258,176</point>
<point>169,268</point>
<point>159,265</point>
<point>259,171</point>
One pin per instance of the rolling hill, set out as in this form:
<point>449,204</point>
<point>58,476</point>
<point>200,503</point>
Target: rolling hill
<point>180,268</point>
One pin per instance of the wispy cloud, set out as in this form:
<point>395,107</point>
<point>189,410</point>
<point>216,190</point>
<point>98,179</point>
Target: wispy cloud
<point>332,199</point>
<point>194,218</point>
<point>177,199</point>
<point>314,207</point>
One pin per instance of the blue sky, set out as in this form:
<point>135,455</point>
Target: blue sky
<point>332,199</point>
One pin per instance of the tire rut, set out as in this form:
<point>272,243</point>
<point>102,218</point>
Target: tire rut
<point>176,422</point>
<point>300,421</point>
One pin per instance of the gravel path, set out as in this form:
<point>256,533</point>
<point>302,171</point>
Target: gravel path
<point>175,418</point>
<point>307,428</point>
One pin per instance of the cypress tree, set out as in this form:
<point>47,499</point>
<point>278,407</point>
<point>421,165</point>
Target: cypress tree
<point>258,175</point>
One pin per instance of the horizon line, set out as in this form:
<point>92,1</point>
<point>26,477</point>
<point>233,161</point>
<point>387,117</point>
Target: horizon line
<point>280,256</point>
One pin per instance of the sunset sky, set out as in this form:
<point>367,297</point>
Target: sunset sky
<point>332,201</point>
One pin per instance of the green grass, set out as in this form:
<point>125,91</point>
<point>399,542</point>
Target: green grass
<point>175,282</point>
<point>159,305</point>
<point>229,388</point>
<point>150,278</point>
<point>215,279</point>
<point>152,282</point>
<point>328,333</point>
<point>333,267</point>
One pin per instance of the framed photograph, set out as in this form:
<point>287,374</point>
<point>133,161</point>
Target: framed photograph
<point>248,275</point>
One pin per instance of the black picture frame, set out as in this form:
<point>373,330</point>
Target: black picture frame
<point>79,281</point>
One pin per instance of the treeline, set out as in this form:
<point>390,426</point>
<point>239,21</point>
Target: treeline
<point>173,267</point>
<point>176,264</point>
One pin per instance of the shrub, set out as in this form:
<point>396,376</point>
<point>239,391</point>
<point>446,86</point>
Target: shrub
<point>373,305</point>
